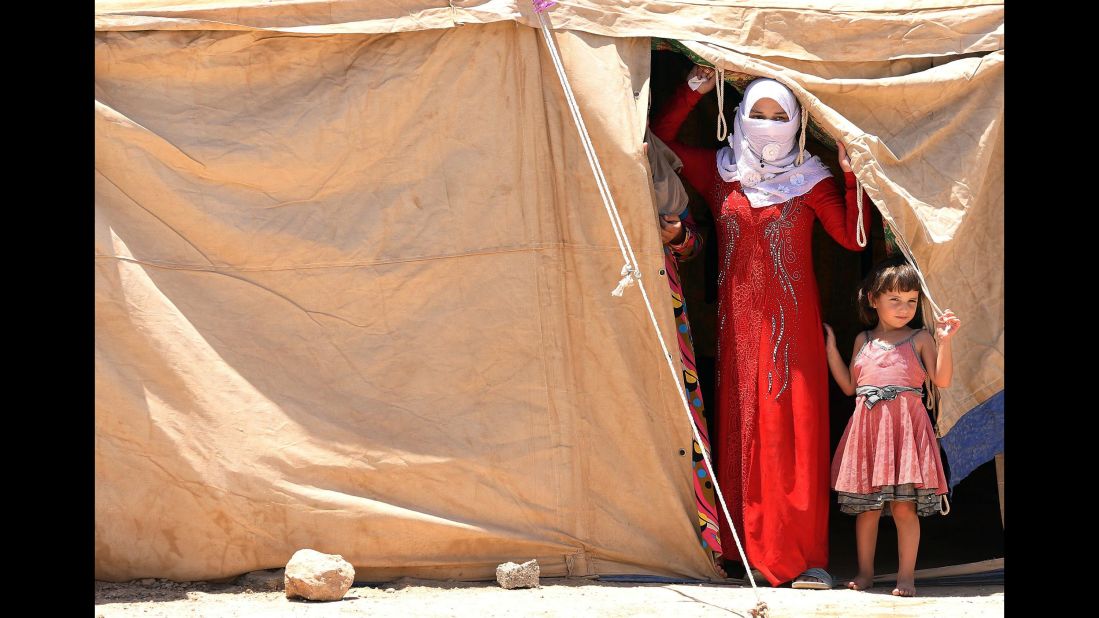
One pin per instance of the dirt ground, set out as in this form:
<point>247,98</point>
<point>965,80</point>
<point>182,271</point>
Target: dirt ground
<point>557,597</point>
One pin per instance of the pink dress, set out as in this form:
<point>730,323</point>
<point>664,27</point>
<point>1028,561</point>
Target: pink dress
<point>888,451</point>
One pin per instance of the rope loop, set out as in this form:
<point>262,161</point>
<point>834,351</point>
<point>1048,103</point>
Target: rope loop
<point>801,139</point>
<point>722,126</point>
<point>860,233</point>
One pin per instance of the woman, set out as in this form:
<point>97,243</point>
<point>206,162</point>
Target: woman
<point>771,430</point>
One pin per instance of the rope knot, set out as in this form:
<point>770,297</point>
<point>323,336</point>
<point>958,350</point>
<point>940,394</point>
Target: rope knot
<point>629,275</point>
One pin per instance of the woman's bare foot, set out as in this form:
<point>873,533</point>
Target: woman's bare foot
<point>861,582</point>
<point>905,588</point>
<point>717,567</point>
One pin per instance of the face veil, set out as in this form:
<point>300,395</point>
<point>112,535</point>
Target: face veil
<point>762,154</point>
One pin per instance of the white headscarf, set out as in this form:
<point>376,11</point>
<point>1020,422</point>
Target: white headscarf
<point>762,153</point>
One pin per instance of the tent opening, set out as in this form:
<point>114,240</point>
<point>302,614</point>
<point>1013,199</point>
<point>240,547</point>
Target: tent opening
<point>972,531</point>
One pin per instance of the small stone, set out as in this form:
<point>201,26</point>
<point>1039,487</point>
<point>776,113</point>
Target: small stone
<point>391,590</point>
<point>510,575</point>
<point>148,581</point>
<point>315,576</point>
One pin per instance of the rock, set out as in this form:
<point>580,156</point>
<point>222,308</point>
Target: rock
<point>391,590</point>
<point>510,575</point>
<point>268,580</point>
<point>314,576</point>
<point>148,581</point>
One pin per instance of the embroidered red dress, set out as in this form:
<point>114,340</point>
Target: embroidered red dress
<point>771,423</point>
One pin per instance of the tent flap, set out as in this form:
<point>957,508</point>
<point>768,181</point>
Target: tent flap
<point>336,310</point>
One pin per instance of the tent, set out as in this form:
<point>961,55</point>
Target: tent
<point>352,271</point>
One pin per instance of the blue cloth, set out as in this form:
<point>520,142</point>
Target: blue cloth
<point>976,438</point>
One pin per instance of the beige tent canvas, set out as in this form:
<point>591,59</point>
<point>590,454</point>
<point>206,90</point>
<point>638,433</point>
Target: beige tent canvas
<point>352,269</point>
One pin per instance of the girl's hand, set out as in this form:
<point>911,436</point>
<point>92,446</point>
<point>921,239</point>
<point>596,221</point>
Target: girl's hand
<point>946,326</point>
<point>671,230</point>
<point>845,162</point>
<point>829,337</point>
<point>706,74</point>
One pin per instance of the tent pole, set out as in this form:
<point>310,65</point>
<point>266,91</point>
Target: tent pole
<point>1000,484</point>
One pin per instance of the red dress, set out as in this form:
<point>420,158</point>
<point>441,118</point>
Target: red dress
<point>771,427</point>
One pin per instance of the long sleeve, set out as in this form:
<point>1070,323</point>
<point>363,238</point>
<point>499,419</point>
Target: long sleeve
<point>839,214</point>
<point>699,164</point>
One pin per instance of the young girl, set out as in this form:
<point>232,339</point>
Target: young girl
<point>888,458</point>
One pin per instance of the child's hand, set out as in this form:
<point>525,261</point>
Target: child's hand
<point>829,337</point>
<point>705,75</point>
<point>946,326</point>
<point>671,230</point>
<point>841,156</point>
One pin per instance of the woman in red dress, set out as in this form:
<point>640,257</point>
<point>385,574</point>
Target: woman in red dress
<point>771,430</point>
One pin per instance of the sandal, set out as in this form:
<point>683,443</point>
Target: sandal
<point>825,582</point>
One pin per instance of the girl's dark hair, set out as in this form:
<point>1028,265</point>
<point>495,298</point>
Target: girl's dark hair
<point>891,274</point>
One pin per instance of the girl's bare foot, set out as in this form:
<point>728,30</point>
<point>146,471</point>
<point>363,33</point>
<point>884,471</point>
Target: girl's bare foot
<point>861,582</point>
<point>905,588</point>
<point>717,567</point>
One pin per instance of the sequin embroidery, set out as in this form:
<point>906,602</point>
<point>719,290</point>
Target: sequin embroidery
<point>782,253</point>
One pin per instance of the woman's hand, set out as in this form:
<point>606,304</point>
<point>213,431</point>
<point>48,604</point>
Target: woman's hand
<point>706,74</point>
<point>841,155</point>
<point>946,326</point>
<point>671,230</point>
